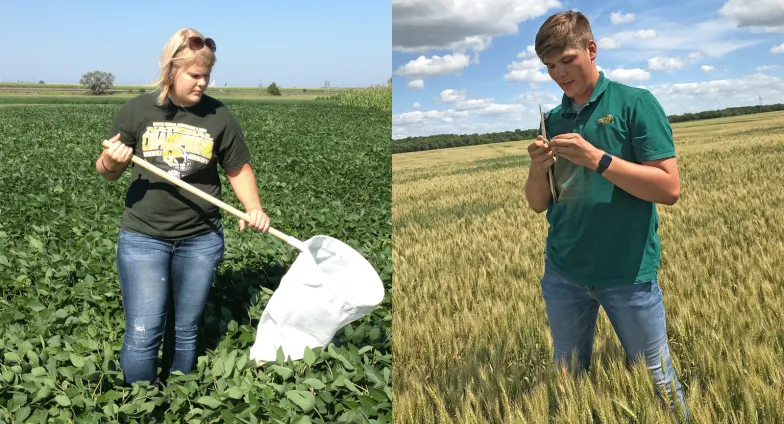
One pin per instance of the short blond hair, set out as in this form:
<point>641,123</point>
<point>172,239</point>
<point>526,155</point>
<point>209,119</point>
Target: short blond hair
<point>562,31</point>
<point>176,54</point>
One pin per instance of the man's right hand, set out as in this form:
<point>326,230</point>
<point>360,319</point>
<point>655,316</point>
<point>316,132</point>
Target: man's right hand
<point>542,157</point>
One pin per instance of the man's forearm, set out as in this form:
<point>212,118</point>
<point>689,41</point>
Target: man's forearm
<point>646,182</point>
<point>537,192</point>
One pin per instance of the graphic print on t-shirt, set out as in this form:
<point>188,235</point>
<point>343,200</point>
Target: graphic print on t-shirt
<point>180,149</point>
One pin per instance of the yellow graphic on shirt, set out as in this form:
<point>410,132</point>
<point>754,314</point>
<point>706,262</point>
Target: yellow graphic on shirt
<point>183,148</point>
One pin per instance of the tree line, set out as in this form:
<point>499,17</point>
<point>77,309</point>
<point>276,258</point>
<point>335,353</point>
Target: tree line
<point>443,141</point>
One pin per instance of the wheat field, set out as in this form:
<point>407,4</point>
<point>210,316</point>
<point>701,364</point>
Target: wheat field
<point>471,341</point>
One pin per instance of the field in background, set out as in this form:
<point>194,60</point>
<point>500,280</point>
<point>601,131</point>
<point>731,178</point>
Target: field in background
<point>322,168</point>
<point>377,97</point>
<point>64,88</point>
<point>471,338</point>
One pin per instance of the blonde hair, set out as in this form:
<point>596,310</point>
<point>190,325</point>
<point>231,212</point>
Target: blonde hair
<point>562,31</point>
<point>176,54</point>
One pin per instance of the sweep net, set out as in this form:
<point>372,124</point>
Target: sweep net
<point>328,286</point>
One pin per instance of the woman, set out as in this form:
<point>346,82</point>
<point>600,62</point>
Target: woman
<point>171,242</point>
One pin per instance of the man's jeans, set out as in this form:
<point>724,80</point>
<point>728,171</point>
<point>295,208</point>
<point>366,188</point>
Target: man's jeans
<point>635,311</point>
<point>155,274</point>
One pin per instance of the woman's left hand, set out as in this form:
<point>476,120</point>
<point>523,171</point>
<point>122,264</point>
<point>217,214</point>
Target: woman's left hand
<point>258,221</point>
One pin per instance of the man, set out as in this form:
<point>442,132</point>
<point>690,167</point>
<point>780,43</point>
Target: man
<point>615,161</point>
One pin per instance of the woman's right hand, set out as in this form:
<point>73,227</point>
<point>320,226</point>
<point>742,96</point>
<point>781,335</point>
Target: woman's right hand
<point>117,155</point>
<point>542,157</point>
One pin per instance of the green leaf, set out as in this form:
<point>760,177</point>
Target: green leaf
<point>229,365</point>
<point>217,367</point>
<point>36,244</point>
<point>283,371</point>
<point>209,402</point>
<point>234,392</point>
<point>309,357</point>
<point>38,371</point>
<point>77,361</point>
<point>63,400</point>
<point>301,398</point>
<point>314,383</point>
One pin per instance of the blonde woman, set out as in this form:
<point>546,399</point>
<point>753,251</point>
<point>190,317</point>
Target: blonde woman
<point>171,242</point>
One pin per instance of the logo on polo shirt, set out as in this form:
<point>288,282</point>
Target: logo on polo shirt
<point>606,120</point>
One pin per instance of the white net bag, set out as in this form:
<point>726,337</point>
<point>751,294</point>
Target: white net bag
<point>328,286</point>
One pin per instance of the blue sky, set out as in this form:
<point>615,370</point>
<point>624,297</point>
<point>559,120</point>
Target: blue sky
<point>296,43</point>
<point>469,67</point>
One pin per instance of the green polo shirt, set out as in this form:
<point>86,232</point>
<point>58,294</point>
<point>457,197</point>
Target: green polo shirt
<point>600,235</point>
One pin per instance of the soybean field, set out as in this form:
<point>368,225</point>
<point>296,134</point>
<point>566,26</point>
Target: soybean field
<point>322,168</point>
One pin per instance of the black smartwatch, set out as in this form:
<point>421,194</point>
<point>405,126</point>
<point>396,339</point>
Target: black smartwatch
<point>604,163</point>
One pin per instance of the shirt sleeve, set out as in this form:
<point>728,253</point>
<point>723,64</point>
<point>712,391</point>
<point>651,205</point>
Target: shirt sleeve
<point>651,133</point>
<point>123,124</point>
<point>233,151</point>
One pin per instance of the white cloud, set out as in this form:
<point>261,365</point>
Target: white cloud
<point>473,104</point>
<point>718,94</point>
<point>464,115</point>
<point>538,98</point>
<point>619,18</point>
<point>417,84</point>
<point>708,38</point>
<point>424,25</point>
<point>645,34</point>
<point>526,70</point>
<point>417,105</point>
<point>608,43</point>
<point>676,99</point>
<point>533,100</point>
<point>436,65</point>
<point>529,52</point>
<point>664,63</point>
<point>707,68</point>
<point>766,67</point>
<point>777,49</point>
<point>451,96</point>
<point>627,75</point>
<point>661,63</point>
<point>765,14</point>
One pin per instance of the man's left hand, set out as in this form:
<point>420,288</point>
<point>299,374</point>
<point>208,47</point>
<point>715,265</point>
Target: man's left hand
<point>575,149</point>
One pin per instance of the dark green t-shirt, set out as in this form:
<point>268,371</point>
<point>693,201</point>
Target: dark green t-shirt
<point>187,142</point>
<point>600,235</point>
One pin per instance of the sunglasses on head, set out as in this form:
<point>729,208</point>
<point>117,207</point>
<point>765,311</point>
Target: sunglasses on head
<point>197,43</point>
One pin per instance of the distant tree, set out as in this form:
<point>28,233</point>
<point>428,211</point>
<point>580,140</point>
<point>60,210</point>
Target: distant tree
<point>41,82</point>
<point>98,82</point>
<point>273,89</point>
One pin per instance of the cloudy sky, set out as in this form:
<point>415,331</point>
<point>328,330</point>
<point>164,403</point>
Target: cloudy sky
<point>469,66</point>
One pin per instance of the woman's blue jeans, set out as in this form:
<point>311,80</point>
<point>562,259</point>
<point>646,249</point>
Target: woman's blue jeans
<point>153,274</point>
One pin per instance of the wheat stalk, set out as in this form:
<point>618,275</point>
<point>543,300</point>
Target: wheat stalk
<point>550,169</point>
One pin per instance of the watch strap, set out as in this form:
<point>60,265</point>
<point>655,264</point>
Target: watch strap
<point>604,163</point>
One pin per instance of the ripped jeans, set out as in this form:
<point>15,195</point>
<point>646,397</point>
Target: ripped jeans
<point>156,275</point>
